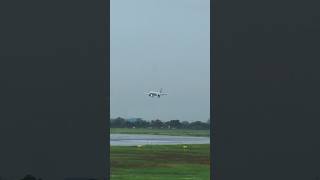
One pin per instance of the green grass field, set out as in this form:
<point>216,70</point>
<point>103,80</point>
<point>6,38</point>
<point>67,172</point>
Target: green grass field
<point>160,162</point>
<point>171,132</point>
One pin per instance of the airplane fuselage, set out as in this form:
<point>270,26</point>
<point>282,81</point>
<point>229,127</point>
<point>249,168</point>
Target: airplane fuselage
<point>156,93</point>
<point>153,94</point>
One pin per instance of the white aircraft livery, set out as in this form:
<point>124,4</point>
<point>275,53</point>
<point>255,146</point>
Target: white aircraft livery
<point>156,93</point>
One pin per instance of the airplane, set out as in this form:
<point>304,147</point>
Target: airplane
<point>156,93</point>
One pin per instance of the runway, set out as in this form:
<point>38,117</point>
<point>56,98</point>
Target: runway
<point>142,139</point>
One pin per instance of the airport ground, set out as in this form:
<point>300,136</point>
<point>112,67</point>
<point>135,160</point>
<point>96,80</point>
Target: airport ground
<point>160,162</point>
<point>171,132</point>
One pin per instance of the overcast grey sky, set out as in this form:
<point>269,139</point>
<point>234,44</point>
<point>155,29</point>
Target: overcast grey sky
<point>160,44</point>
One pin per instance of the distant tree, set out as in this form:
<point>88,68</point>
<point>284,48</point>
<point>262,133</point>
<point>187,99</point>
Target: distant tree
<point>199,125</point>
<point>118,122</point>
<point>156,124</point>
<point>129,124</point>
<point>140,123</point>
<point>185,124</point>
<point>174,124</point>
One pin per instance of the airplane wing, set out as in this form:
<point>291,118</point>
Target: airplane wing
<point>163,93</point>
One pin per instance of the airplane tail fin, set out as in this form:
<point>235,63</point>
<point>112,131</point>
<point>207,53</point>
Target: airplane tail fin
<point>160,90</point>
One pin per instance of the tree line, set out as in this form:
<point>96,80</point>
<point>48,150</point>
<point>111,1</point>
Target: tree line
<point>158,124</point>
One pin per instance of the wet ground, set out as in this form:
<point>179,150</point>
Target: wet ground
<point>141,139</point>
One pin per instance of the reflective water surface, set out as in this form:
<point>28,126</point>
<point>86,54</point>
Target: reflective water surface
<point>143,139</point>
